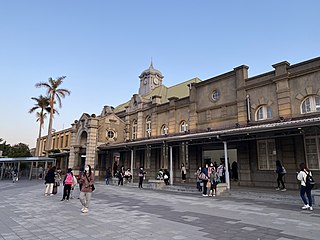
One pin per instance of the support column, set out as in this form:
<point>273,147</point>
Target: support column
<point>171,169</point>
<point>226,164</point>
<point>2,170</point>
<point>30,174</point>
<point>131,164</point>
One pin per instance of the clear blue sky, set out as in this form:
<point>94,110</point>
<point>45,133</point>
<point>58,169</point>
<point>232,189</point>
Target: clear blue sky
<point>103,46</point>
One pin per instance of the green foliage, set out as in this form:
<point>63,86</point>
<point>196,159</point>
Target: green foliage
<point>18,150</point>
<point>4,147</point>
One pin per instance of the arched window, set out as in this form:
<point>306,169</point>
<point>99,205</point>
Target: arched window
<point>164,130</point>
<point>264,112</point>
<point>134,129</point>
<point>183,126</point>
<point>310,104</point>
<point>148,126</point>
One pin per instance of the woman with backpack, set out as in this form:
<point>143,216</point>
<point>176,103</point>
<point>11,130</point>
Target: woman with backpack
<point>305,188</point>
<point>67,184</point>
<point>87,181</point>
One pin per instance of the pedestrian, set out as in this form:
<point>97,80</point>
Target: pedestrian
<point>199,181</point>
<point>166,177</point>
<point>221,172</point>
<point>108,176</point>
<point>67,184</point>
<point>204,177</point>
<point>304,189</point>
<point>141,175</point>
<point>49,181</point>
<point>280,173</point>
<point>73,186</point>
<point>213,181</point>
<point>79,177</point>
<point>183,172</point>
<point>120,176</point>
<point>234,171</point>
<point>87,180</point>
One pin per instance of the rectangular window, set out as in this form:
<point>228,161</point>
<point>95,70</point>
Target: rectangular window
<point>267,154</point>
<point>61,142</point>
<point>312,152</point>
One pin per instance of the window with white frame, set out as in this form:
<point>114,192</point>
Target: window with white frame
<point>312,152</point>
<point>267,154</point>
<point>111,134</point>
<point>148,126</point>
<point>310,104</point>
<point>164,130</point>
<point>134,129</point>
<point>264,112</point>
<point>183,126</point>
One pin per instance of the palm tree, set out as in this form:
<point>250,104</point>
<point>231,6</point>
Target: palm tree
<point>54,92</point>
<point>42,103</point>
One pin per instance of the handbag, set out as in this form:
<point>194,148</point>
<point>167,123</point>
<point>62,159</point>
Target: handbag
<point>92,186</point>
<point>202,176</point>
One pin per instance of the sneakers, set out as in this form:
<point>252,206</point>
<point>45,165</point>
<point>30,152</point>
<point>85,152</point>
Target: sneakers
<point>283,189</point>
<point>85,210</point>
<point>205,195</point>
<point>277,189</point>
<point>62,199</point>
<point>311,208</point>
<point>306,207</point>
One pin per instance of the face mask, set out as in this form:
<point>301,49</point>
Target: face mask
<point>87,169</point>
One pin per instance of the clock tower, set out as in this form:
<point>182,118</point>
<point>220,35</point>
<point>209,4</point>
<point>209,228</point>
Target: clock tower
<point>149,80</point>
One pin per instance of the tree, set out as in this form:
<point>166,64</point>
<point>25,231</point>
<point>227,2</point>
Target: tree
<point>54,93</point>
<point>19,150</point>
<point>42,103</point>
<point>4,147</point>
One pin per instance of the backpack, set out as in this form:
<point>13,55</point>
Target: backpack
<point>309,181</point>
<point>68,179</point>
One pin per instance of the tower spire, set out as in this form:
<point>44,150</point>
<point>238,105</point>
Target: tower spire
<point>151,64</point>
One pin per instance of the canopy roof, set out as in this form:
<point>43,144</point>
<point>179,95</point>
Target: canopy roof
<point>28,159</point>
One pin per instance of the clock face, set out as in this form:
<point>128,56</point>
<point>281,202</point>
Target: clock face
<point>155,81</point>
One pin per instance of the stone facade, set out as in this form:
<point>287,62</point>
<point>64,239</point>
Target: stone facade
<point>263,118</point>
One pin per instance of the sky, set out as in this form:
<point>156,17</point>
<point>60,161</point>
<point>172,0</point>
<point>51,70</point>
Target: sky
<point>102,47</point>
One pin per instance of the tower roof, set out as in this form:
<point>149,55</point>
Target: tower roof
<point>151,71</point>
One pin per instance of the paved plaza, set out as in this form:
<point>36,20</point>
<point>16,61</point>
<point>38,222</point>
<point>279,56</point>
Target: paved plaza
<point>130,213</point>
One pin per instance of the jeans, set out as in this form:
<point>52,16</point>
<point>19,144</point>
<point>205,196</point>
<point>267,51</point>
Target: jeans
<point>205,187</point>
<point>304,190</point>
<point>66,191</point>
<point>280,180</point>
<point>107,181</point>
<point>85,198</point>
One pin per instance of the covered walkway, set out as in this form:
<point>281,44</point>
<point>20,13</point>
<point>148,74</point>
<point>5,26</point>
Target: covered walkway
<point>27,167</point>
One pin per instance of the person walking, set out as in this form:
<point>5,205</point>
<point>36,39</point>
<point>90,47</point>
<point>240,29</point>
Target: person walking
<point>213,181</point>
<point>141,176</point>
<point>166,177</point>
<point>87,180</point>
<point>67,184</point>
<point>280,173</point>
<point>108,176</point>
<point>205,178</point>
<point>49,181</point>
<point>302,177</point>
<point>183,173</point>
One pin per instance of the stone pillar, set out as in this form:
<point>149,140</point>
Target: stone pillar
<point>241,75</point>
<point>141,123</point>
<point>73,139</point>
<point>283,90</point>
<point>91,151</point>
<point>172,115</point>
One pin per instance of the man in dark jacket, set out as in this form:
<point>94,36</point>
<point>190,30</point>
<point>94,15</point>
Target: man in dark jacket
<point>49,181</point>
